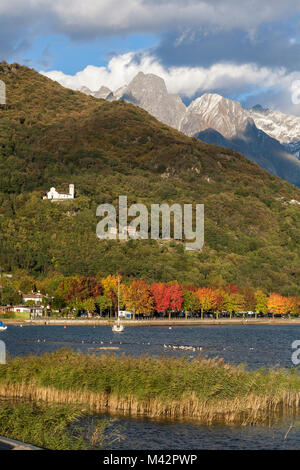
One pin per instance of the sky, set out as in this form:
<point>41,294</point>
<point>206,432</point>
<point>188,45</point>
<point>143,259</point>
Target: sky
<point>247,50</point>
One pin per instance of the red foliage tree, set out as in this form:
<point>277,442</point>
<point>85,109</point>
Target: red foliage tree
<point>84,287</point>
<point>167,297</point>
<point>232,288</point>
<point>161,296</point>
<point>175,296</point>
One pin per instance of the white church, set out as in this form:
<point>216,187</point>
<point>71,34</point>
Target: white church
<point>55,196</point>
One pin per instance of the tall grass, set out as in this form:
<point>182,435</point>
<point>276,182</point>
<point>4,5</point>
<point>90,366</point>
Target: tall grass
<point>204,389</point>
<point>56,427</point>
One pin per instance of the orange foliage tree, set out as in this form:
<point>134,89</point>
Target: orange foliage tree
<point>276,304</point>
<point>207,299</point>
<point>138,297</point>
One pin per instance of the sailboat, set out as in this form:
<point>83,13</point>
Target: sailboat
<point>118,327</point>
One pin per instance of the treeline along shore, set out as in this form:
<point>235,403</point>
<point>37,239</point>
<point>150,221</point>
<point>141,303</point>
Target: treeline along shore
<point>206,390</point>
<point>97,297</point>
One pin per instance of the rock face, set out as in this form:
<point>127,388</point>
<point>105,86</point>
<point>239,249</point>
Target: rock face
<point>104,93</point>
<point>85,90</point>
<point>150,93</point>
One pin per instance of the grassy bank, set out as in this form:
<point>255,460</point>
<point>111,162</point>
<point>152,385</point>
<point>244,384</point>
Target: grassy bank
<point>206,390</point>
<point>56,427</point>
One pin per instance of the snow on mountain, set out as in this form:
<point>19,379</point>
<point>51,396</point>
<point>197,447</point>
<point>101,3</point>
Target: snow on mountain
<point>225,116</point>
<point>283,127</point>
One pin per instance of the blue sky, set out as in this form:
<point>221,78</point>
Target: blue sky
<point>248,51</point>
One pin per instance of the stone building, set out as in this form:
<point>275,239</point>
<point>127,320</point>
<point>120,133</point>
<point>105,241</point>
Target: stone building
<point>55,196</point>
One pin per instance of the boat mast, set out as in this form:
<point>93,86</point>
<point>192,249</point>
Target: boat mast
<point>118,299</point>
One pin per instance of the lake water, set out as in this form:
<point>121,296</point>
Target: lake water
<point>255,345</point>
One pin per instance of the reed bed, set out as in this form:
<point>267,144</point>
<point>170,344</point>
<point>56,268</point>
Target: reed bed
<point>205,390</point>
<point>56,426</point>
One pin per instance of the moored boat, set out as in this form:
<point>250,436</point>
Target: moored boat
<point>2,326</point>
<point>117,327</point>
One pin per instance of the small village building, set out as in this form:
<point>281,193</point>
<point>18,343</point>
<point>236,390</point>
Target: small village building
<point>56,196</point>
<point>126,314</point>
<point>35,297</point>
<point>32,310</point>
<point>5,308</point>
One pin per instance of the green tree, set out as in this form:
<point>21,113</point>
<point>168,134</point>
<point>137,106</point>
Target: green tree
<point>104,303</point>
<point>190,301</point>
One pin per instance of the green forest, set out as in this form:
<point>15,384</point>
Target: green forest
<point>53,136</point>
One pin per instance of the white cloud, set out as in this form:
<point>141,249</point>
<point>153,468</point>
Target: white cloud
<point>186,81</point>
<point>106,17</point>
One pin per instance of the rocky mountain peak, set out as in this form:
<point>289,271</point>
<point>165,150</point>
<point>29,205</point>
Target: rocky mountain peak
<point>104,92</point>
<point>150,93</point>
<point>222,114</point>
<point>85,90</point>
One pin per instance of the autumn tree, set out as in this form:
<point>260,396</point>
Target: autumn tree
<point>261,302</point>
<point>207,299</point>
<point>161,297</point>
<point>175,297</point>
<point>232,302</point>
<point>110,287</point>
<point>167,297</point>
<point>276,304</point>
<point>219,301</point>
<point>294,306</point>
<point>249,298</point>
<point>82,288</point>
<point>138,297</point>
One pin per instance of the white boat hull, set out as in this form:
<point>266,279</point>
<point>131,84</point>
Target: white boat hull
<point>118,328</point>
<point>3,328</point>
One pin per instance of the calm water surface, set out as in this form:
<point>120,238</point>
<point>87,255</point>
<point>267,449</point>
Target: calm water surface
<point>255,345</point>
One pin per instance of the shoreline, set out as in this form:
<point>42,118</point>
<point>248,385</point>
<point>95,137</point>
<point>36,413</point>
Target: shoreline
<point>159,322</point>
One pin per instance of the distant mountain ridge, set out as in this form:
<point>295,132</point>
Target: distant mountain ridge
<point>270,138</point>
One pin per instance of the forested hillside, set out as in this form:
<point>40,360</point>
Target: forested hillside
<point>52,136</point>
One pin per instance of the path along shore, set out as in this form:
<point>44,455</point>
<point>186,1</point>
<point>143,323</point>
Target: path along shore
<point>156,322</point>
